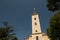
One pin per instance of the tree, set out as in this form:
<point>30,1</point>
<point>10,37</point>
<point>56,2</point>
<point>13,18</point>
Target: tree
<point>53,31</point>
<point>7,33</point>
<point>3,34</point>
<point>53,5</point>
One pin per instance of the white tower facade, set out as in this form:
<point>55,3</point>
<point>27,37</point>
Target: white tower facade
<point>36,28</point>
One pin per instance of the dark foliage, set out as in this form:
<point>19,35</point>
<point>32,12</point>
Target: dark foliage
<point>53,31</point>
<point>53,5</point>
<point>7,32</point>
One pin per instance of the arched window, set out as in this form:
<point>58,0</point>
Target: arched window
<point>36,37</point>
<point>34,18</point>
<point>36,30</point>
<point>35,23</point>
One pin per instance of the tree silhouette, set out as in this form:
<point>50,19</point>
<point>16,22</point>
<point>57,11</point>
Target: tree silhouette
<point>53,5</point>
<point>7,33</point>
<point>53,31</point>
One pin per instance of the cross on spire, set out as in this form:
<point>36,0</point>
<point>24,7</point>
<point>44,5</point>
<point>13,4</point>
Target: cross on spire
<point>34,13</point>
<point>34,9</point>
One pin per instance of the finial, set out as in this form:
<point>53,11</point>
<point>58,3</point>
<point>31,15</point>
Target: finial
<point>34,9</point>
<point>34,13</point>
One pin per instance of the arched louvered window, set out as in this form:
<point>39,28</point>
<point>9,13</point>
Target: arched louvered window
<point>35,23</point>
<point>34,18</point>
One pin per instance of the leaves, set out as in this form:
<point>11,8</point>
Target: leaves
<point>7,33</point>
<point>53,5</point>
<point>54,30</point>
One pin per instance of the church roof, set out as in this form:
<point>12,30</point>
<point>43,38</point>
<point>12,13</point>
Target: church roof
<point>34,13</point>
<point>44,34</point>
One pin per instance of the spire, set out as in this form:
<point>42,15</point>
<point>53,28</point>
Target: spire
<point>34,9</point>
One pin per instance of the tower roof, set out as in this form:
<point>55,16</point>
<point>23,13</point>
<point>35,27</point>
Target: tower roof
<point>35,12</point>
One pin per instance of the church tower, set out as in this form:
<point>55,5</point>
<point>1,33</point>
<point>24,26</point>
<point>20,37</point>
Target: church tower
<point>37,34</point>
<point>36,28</point>
<point>35,23</point>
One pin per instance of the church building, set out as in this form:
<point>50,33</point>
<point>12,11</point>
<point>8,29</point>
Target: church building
<point>36,29</point>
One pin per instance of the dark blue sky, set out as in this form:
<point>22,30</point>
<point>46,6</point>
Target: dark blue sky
<point>18,13</point>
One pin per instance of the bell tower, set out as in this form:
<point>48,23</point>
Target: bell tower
<point>37,34</point>
<point>35,23</point>
<point>36,28</point>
